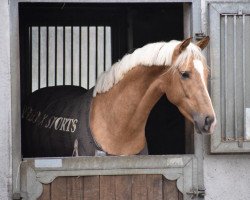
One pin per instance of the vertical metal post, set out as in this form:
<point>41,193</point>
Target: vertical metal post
<point>104,48</point>
<point>225,76</point>
<point>55,55</point>
<point>87,57</point>
<point>96,53</point>
<point>243,75</point>
<point>63,55</point>
<point>235,82</point>
<point>30,57</point>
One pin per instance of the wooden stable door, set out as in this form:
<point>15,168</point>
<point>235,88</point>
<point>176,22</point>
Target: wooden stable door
<point>125,187</point>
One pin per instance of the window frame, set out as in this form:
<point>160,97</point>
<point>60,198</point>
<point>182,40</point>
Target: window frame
<point>192,26</point>
<point>215,11</point>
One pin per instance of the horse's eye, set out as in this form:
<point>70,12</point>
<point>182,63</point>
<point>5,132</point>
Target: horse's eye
<point>185,75</point>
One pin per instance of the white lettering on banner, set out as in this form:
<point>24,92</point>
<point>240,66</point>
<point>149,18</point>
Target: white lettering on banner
<point>58,123</point>
<point>64,122</point>
<point>53,122</point>
<point>74,125</point>
<point>44,120</point>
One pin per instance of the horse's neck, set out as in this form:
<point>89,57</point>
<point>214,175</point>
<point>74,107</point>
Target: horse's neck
<point>118,117</point>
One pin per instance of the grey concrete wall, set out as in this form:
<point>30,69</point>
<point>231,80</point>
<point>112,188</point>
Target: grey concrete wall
<point>5,104</point>
<point>226,177</point>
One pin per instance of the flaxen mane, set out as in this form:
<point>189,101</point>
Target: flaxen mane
<point>154,54</point>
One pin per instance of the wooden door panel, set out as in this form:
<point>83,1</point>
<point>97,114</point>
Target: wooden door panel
<point>46,192</point>
<point>123,187</point>
<point>59,189</point>
<point>91,189</point>
<point>139,189</point>
<point>74,188</point>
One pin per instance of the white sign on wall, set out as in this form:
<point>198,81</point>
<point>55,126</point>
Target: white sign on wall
<point>48,163</point>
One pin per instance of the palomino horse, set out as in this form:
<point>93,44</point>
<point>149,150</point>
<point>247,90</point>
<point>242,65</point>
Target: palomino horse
<point>112,117</point>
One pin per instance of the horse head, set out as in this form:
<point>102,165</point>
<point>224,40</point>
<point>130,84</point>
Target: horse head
<point>186,87</point>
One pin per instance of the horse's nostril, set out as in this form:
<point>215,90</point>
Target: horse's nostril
<point>208,121</point>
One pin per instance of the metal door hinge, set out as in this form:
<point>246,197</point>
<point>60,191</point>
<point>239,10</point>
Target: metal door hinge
<point>199,36</point>
<point>197,193</point>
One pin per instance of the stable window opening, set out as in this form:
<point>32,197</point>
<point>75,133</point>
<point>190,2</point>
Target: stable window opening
<point>73,43</point>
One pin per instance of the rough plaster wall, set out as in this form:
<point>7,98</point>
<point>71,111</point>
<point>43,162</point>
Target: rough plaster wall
<point>226,177</point>
<point>5,103</point>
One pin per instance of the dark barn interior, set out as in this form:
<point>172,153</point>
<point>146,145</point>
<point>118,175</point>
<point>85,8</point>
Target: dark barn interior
<point>132,25</point>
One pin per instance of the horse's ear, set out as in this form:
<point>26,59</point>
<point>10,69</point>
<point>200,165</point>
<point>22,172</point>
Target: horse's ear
<point>203,43</point>
<point>183,45</point>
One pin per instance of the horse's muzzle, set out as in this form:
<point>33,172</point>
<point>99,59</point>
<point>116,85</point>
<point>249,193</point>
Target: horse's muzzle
<point>204,124</point>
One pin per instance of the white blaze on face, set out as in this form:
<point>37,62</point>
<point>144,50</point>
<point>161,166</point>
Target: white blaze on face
<point>200,69</point>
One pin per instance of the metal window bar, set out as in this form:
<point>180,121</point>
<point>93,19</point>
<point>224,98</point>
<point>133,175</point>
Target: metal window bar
<point>55,66</point>
<point>43,56</point>
<point>96,55</point>
<point>234,83</point>
<point>244,72</point>
<point>104,48</point>
<point>222,80</point>
<point>234,77</point>
<point>225,77</point>
<point>88,57</point>
<point>68,55</point>
<point>60,56</point>
<point>63,55</point>
<point>80,53</point>
<point>52,55</point>
<point>30,53</point>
